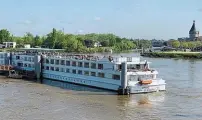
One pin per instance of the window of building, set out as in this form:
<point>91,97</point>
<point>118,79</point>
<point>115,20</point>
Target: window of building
<point>80,72</point>
<point>138,66</point>
<point>116,77</point>
<point>47,67</point>
<point>67,63</point>
<point>61,69</point>
<point>67,70</point>
<point>86,65</point>
<point>86,73</point>
<point>20,64</point>
<point>80,64</point>
<point>25,58</point>
<point>29,65</point>
<point>74,71</point>
<point>74,63</point>
<point>42,67</point>
<point>47,61</point>
<point>131,66</point>
<point>102,75</point>
<point>93,65</point>
<point>93,73</point>
<point>100,66</point>
<point>57,62</point>
<point>62,62</point>
<point>29,59</point>
<point>52,61</point>
<point>17,57</point>
<point>52,68</point>
<point>119,67</point>
<point>129,59</point>
<point>25,65</point>
<point>57,69</point>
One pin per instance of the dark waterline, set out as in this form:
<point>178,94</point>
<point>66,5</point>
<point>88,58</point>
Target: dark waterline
<point>21,99</point>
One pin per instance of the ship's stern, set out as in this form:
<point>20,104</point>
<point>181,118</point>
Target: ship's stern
<point>156,86</point>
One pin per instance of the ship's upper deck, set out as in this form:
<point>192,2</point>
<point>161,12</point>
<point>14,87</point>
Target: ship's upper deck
<point>60,54</point>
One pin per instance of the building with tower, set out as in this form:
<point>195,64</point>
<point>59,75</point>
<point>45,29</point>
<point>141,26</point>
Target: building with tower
<point>193,33</point>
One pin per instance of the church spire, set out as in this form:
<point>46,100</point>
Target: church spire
<point>193,28</point>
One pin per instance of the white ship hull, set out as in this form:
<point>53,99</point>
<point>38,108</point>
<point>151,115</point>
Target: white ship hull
<point>147,89</point>
<point>157,85</point>
<point>87,80</point>
<point>104,83</point>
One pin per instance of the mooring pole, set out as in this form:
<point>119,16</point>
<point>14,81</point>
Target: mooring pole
<point>123,89</point>
<point>37,64</point>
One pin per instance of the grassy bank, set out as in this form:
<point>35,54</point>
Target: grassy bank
<point>186,55</point>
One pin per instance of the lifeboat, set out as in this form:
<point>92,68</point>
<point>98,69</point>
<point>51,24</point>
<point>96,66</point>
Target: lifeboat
<point>145,81</point>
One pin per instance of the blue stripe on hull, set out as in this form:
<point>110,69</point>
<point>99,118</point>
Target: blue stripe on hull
<point>82,81</point>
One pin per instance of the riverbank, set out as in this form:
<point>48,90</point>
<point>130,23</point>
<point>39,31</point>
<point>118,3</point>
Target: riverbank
<point>185,55</point>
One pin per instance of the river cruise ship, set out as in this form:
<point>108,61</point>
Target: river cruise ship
<point>118,73</point>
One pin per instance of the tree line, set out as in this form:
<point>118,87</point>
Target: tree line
<point>186,44</point>
<point>57,39</point>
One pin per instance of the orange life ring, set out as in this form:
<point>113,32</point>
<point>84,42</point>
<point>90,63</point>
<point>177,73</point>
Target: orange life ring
<point>145,81</point>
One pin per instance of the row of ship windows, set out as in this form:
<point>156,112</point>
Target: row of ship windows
<point>74,63</point>
<point>30,59</point>
<point>80,72</point>
<point>24,65</point>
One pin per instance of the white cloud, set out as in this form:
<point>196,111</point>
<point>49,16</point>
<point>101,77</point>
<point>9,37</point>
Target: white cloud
<point>27,22</point>
<point>97,18</point>
<point>80,31</point>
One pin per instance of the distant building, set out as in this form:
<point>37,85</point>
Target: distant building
<point>2,46</point>
<point>193,33</point>
<point>97,44</point>
<point>27,46</point>
<point>183,39</point>
<point>200,38</point>
<point>157,43</point>
<point>9,44</point>
<point>90,43</point>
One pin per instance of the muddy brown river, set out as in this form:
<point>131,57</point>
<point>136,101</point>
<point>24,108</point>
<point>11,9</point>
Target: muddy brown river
<point>26,100</point>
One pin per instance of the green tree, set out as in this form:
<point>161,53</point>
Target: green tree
<point>191,45</point>
<point>70,43</point>
<point>143,43</point>
<point>28,38</point>
<point>37,41</point>
<point>4,35</point>
<point>51,39</point>
<point>175,43</point>
<point>104,43</point>
<point>198,43</point>
<point>184,44</point>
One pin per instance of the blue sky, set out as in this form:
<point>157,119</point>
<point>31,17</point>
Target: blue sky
<point>160,19</point>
